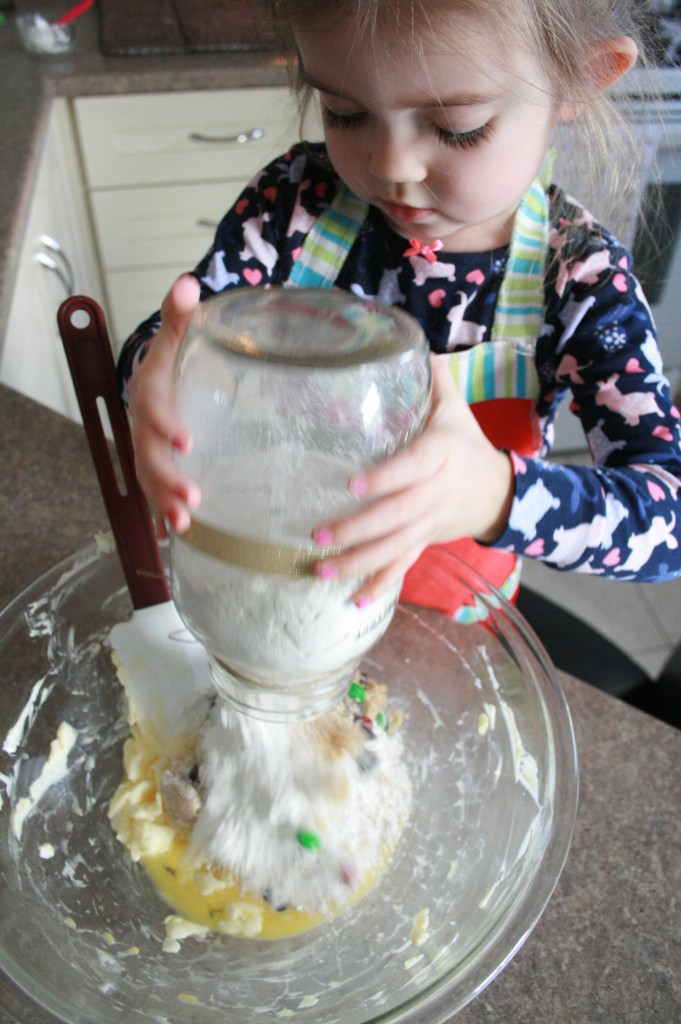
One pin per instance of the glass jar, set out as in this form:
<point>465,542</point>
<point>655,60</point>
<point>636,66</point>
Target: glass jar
<point>287,393</point>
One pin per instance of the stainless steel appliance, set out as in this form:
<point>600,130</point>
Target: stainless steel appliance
<point>657,240</point>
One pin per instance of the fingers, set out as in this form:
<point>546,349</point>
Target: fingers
<point>168,490</point>
<point>382,561</point>
<point>171,495</point>
<point>156,430</point>
<point>379,565</point>
<point>373,587</point>
<point>178,306</point>
<point>376,555</point>
<point>398,510</point>
<point>152,402</point>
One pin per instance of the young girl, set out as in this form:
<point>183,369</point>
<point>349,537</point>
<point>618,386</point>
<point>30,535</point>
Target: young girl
<point>434,181</point>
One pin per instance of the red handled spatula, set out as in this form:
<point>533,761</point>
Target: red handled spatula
<point>154,650</point>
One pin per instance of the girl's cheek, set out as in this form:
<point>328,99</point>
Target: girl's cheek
<point>345,150</point>
<point>338,150</point>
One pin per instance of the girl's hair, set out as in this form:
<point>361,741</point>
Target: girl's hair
<point>600,153</point>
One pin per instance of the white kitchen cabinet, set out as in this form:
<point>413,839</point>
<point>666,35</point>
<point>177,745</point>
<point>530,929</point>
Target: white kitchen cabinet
<point>57,259</point>
<point>161,170</point>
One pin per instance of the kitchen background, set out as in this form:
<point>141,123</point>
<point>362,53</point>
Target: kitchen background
<point>119,178</point>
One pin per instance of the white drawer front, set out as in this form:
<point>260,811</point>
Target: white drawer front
<point>135,295</point>
<point>151,138</point>
<point>168,225</point>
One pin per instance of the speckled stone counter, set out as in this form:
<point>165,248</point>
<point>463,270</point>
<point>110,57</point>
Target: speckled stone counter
<point>607,950</point>
<point>28,84</point>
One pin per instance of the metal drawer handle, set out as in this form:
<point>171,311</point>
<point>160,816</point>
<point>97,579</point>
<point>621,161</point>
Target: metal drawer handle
<point>54,268</point>
<point>53,246</point>
<point>240,139</point>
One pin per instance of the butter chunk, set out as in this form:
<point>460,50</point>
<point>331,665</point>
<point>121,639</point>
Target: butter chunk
<point>179,928</point>
<point>244,919</point>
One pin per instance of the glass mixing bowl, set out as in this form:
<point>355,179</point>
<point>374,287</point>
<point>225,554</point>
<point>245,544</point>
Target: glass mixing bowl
<point>491,754</point>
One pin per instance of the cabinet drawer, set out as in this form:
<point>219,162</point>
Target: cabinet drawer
<point>161,226</point>
<point>152,138</point>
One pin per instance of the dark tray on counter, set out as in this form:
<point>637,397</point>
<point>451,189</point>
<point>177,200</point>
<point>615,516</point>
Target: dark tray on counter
<point>179,26</point>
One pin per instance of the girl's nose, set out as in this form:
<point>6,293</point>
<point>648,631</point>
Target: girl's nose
<point>396,158</point>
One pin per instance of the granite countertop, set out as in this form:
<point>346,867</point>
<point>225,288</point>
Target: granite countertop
<point>28,84</point>
<point>607,949</point>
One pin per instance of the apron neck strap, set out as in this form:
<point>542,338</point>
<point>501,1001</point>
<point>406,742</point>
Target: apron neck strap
<point>329,242</point>
<point>519,314</point>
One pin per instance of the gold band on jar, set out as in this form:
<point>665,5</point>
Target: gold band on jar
<point>255,555</point>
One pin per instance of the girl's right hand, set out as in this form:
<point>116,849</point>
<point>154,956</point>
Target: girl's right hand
<point>155,428</point>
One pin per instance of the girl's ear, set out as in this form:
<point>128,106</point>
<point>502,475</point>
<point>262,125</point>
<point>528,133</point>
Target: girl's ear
<point>610,59</point>
<point>607,61</point>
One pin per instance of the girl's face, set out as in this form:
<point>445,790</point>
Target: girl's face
<point>444,143</point>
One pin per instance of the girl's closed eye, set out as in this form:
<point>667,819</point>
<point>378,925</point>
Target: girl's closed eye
<point>335,121</point>
<point>463,140</point>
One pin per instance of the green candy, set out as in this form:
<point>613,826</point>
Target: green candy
<point>381,720</point>
<point>309,840</point>
<point>357,692</point>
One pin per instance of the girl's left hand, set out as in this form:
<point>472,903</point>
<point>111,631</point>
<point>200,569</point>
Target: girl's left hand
<point>450,482</point>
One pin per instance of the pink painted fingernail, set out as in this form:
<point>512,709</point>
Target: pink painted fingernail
<point>182,443</point>
<point>322,536</point>
<point>358,485</point>
<point>193,499</point>
<point>326,571</point>
<point>179,519</point>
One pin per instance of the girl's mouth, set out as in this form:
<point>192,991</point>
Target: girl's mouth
<point>407,214</point>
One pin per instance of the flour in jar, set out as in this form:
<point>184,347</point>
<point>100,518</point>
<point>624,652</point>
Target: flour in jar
<point>266,626</point>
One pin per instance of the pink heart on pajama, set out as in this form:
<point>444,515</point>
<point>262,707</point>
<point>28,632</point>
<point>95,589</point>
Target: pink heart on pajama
<point>435,298</point>
<point>253,275</point>
<point>241,205</point>
<point>620,282</point>
<point>655,491</point>
<point>663,432</point>
<point>633,366</point>
<point>270,193</point>
<point>612,557</point>
<point>536,547</point>
<point>475,276</point>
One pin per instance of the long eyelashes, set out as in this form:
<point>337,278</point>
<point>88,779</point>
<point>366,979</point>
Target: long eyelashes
<point>457,140</point>
<point>340,121</point>
<point>463,140</point>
